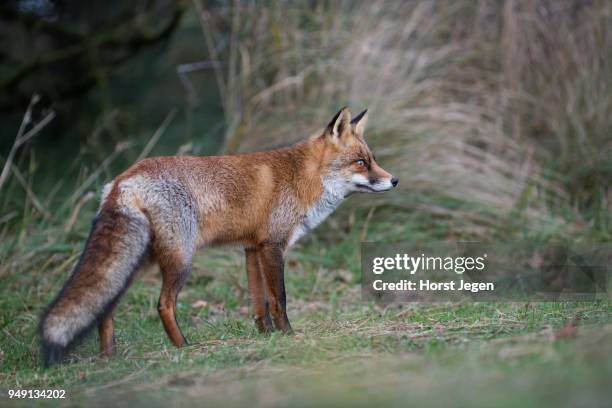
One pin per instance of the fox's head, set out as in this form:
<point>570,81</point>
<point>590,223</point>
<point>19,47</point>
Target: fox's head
<point>350,165</point>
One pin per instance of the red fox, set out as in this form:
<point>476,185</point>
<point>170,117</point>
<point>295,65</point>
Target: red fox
<point>161,209</point>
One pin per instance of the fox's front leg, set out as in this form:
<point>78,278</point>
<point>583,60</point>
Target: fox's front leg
<point>272,265</point>
<point>257,290</point>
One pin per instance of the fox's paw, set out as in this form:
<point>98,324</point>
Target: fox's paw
<point>263,324</point>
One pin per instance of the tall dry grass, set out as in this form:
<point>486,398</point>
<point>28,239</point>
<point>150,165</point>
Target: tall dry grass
<point>489,112</point>
<point>494,115</point>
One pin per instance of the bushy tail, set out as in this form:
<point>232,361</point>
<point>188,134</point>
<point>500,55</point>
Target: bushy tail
<point>114,251</point>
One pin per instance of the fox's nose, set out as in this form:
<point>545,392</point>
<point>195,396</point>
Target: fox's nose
<point>394,181</point>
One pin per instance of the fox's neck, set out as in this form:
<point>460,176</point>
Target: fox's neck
<point>320,192</point>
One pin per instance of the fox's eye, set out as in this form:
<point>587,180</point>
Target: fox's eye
<point>361,163</point>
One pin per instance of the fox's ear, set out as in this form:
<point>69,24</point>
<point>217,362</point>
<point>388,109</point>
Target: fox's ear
<point>340,123</point>
<point>359,122</point>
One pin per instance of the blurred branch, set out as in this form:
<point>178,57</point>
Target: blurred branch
<point>154,139</point>
<point>76,210</point>
<point>287,82</point>
<point>182,71</point>
<point>24,137</point>
<point>29,192</point>
<point>94,175</point>
<point>8,217</point>
<point>204,19</point>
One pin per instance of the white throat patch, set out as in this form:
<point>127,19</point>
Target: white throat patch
<point>334,192</point>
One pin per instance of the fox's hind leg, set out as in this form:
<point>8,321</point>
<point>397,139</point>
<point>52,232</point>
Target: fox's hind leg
<point>257,289</point>
<point>175,270</point>
<point>175,227</point>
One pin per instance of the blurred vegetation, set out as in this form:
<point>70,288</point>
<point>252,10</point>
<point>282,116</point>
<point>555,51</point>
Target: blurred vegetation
<point>63,48</point>
<point>493,114</point>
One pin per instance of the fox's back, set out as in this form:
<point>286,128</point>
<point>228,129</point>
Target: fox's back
<point>222,198</point>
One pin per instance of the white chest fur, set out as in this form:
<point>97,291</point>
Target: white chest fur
<point>332,196</point>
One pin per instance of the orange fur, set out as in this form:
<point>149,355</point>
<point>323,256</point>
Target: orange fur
<point>163,208</point>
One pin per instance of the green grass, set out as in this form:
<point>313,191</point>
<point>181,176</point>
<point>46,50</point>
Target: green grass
<point>344,349</point>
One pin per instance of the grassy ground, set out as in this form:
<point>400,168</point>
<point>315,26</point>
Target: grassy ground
<point>344,349</point>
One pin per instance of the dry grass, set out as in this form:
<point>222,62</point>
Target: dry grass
<point>488,112</point>
<point>494,115</point>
